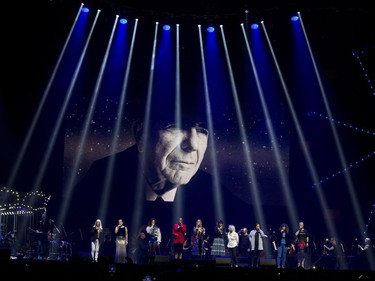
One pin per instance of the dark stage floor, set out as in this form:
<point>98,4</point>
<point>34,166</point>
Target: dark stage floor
<point>167,270</point>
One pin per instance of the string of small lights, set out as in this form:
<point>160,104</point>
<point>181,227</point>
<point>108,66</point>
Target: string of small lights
<point>338,122</point>
<point>345,169</point>
<point>9,199</point>
<point>365,73</point>
<point>352,165</point>
<point>369,219</point>
<point>364,70</point>
<point>14,203</point>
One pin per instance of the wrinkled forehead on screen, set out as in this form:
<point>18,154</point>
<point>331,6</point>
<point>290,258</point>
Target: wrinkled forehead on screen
<point>185,123</point>
<point>164,113</point>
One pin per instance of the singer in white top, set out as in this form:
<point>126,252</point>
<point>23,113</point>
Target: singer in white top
<point>233,240</point>
<point>154,238</point>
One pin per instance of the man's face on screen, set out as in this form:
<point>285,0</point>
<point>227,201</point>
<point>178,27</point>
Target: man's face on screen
<point>180,151</point>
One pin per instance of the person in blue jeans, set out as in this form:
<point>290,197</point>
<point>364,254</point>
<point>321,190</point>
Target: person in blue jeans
<point>154,239</point>
<point>282,243</point>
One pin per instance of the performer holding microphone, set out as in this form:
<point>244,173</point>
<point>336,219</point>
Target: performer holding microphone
<point>96,239</point>
<point>154,238</point>
<point>121,232</point>
<point>178,233</point>
<point>44,234</point>
<point>302,244</point>
<point>199,233</point>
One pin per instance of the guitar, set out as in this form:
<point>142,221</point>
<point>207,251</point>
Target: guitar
<point>46,235</point>
<point>324,247</point>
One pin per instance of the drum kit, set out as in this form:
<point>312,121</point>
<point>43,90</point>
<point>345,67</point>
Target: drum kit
<point>58,248</point>
<point>6,239</point>
<point>20,206</point>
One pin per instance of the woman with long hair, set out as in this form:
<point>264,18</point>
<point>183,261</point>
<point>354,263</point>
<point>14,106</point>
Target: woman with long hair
<point>96,239</point>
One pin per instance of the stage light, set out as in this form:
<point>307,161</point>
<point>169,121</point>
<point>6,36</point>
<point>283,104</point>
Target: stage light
<point>254,26</point>
<point>294,18</point>
<point>210,29</point>
<point>148,278</point>
<point>166,27</point>
<point>85,10</point>
<point>123,21</point>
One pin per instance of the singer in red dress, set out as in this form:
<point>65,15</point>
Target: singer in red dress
<point>178,233</point>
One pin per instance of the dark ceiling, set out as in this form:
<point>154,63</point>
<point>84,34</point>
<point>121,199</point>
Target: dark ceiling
<point>222,8</point>
<point>39,27</point>
<point>31,41</point>
<point>354,14</point>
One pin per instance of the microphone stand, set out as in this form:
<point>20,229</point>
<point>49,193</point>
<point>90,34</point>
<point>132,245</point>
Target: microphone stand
<point>63,228</point>
<point>54,225</point>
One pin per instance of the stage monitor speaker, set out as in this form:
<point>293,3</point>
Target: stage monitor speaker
<point>5,254</point>
<point>267,262</point>
<point>193,262</point>
<point>85,256</point>
<point>162,259</point>
<point>222,261</point>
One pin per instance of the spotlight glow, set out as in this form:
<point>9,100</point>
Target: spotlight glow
<point>123,21</point>
<point>210,29</point>
<point>294,18</point>
<point>254,26</point>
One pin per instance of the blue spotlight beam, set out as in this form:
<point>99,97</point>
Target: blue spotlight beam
<point>350,187</point>
<point>272,135</point>
<point>30,132</point>
<point>218,198</point>
<point>85,128</point>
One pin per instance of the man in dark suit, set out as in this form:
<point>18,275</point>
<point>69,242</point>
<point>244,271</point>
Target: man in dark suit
<point>44,234</point>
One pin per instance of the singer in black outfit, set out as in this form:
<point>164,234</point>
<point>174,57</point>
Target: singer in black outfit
<point>282,243</point>
<point>96,239</point>
<point>302,244</point>
<point>121,232</point>
<point>44,233</point>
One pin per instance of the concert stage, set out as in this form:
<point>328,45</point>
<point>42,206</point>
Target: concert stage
<point>164,269</point>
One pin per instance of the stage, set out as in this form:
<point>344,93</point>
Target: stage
<point>168,269</point>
